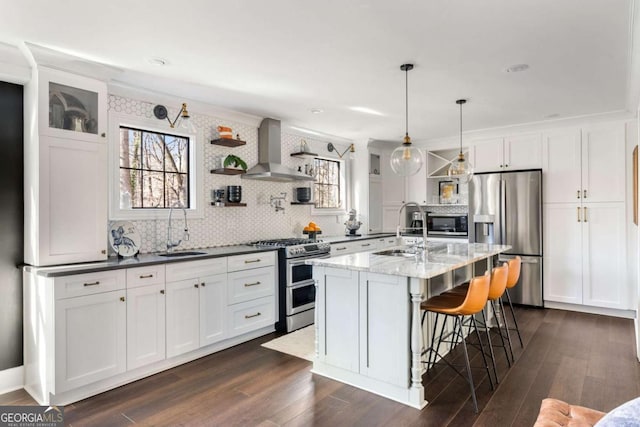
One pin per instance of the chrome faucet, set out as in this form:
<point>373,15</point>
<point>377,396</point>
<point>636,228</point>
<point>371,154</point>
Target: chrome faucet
<point>424,221</point>
<point>170,243</point>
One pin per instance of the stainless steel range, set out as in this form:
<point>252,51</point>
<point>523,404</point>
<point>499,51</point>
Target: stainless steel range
<point>296,288</point>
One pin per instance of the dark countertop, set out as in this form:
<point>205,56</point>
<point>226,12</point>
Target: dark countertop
<point>114,263</point>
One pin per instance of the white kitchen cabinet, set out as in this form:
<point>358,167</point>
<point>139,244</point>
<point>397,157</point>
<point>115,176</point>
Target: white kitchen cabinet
<point>251,315</point>
<point>90,339</point>
<point>585,254</point>
<point>514,152</point>
<point>585,165</point>
<point>393,185</point>
<point>363,245</point>
<point>375,204</point>
<point>416,190</point>
<point>145,325</point>
<point>390,218</point>
<point>183,316</point>
<point>213,302</point>
<point>65,169</point>
<point>246,285</point>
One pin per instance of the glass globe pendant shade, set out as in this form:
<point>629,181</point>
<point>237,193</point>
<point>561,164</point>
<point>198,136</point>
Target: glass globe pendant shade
<point>461,170</point>
<point>406,160</point>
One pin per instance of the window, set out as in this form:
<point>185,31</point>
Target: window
<point>154,169</point>
<point>328,190</point>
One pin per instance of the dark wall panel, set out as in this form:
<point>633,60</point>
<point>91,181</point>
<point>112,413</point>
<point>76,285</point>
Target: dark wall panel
<point>11,223</point>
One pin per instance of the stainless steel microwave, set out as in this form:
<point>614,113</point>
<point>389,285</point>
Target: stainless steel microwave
<point>447,225</point>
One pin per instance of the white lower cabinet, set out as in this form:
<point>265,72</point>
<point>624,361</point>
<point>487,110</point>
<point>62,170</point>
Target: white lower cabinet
<point>90,339</point>
<point>362,245</point>
<point>145,325</point>
<point>250,315</point>
<point>213,304</point>
<point>183,316</point>
<point>585,254</point>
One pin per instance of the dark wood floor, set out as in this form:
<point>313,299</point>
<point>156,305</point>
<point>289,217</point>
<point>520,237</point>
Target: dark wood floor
<point>581,358</point>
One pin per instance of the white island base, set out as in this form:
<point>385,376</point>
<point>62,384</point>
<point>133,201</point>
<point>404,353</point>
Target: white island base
<point>368,323</point>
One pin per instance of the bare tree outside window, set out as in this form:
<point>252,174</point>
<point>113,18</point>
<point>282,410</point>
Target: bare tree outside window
<point>154,168</point>
<point>327,183</point>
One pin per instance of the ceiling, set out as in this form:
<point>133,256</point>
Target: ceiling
<point>283,58</point>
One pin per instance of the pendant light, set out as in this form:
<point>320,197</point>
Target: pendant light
<point>460,168</point>
<point>406,160</point>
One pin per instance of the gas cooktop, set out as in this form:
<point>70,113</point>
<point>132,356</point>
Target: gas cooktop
<point>296,247</point>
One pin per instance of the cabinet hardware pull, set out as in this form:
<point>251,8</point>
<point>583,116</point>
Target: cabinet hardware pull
<point>584,194</point>
<point>196,286</point>
<point>103,134</point>
<point>162,291</point>
<point>365,244</point>
<point>146,276</point>
<point>506,166</point>
<point>248,261</point>
<point>585,214</point>
<point>578,213</point>
<point>202,284</point>
<point>122,299</point>
<point>341,249</point>
<point>104,251</point>
<point>578,194</point>
<point>253,315</point>
<point>97,282</point>
<point>246,285</point>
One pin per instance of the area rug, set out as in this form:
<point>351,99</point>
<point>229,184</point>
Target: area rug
<point>300,343</point>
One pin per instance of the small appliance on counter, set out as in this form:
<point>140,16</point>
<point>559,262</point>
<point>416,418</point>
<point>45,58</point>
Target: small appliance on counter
<point>417,223</point>
<point>352,224</point>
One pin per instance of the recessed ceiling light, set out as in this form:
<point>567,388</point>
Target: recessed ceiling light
<point>366,111</point>
<point>317,110</point>
<point>552,116</point>
<point>516,68</point>
<point>155,60</point>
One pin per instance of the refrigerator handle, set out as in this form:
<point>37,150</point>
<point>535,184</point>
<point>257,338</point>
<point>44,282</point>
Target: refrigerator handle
<point>503,212</point>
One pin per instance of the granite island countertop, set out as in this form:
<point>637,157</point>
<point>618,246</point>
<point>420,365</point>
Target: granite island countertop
<point>114,263</point>
<point>439,258</point>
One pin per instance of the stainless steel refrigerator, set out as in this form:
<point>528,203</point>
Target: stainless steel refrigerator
<point>506,208</point>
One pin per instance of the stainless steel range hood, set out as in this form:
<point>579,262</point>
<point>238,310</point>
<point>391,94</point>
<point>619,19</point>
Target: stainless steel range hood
<point>269,167</point>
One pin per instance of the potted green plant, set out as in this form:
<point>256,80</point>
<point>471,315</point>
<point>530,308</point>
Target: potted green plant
<point>234,161</point>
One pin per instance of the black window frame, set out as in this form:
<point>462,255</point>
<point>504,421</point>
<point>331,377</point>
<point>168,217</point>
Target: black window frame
<point>338,185</point>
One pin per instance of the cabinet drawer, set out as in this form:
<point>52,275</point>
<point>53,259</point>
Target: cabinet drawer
<point>248,261</point>
<point>367,245</point>
<point>251,315</point>
<point>251,284</point>
<point>143,276</point>
<point>194,269</point>
<point>89,283</point>
<point>342,249</point>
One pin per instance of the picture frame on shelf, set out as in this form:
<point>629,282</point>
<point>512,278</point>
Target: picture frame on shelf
<point>448,192</point>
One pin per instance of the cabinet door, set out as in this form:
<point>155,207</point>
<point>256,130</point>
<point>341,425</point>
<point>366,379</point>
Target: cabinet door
<point>90,339</point>
<point>563,252</point>
<point>561,166</point>
<point>183,318</point>
<point>251,315</point>
<point>375,204</point>
<point>390,218</point>
<point>393,185</point>
<point>73,203</point>
<point>604,256</point>
<point>71,106</point>
<point>523,152</point>
<point>213,308</point>
<point>145,325</point>
<point>603,164</point>
<point>384,314</point>
<point>488,155</point>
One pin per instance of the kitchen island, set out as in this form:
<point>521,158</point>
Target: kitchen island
<point>368,330</point>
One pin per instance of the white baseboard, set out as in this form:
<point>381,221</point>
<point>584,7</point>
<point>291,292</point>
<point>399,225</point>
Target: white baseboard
<point>11,379</point>
<point>626,314</point>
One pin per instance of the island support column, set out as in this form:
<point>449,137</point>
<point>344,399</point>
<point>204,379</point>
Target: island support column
<point>417,289</point>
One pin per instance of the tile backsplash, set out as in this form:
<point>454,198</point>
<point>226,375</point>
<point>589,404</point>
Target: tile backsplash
<point>232,225</point>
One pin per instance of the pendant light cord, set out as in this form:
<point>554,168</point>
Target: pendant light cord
<point>406,101</point>
<point>461,128</point>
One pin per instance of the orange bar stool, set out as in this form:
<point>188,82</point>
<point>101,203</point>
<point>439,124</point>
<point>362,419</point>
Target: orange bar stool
<point>499,279</point>
<point>512,281</point>
<point>468,304</point>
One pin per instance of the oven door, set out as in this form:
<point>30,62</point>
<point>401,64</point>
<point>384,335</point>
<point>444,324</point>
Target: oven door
<point>301,297</point>
<point>299,272</point>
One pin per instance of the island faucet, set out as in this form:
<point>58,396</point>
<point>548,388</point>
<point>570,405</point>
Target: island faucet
<point>424,219</point>
<point>170,243</point>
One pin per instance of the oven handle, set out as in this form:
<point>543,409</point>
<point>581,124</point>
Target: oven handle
<point>302,261</point>
<point>302,284</point>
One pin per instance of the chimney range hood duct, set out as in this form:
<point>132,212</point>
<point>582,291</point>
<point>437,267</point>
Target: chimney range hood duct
<point>269,167</point>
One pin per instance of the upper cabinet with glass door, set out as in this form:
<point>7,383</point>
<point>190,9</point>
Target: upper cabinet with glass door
<point>72,106</point>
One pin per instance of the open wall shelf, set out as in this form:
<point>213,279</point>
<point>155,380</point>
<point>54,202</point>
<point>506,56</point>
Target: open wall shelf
<point>228,142</point>
<point>228,171</point>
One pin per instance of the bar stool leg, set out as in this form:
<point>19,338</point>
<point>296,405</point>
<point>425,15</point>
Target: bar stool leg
<point>466,359</point>
<point>504,345</point>
<point>493,356</point>
<point>484,357</point>
<point>506,327</point>
<point>513,314</point>
<point>444,323</point>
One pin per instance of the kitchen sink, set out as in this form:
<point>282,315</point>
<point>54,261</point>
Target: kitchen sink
<point>185,253</point>
<point>398,252</point>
